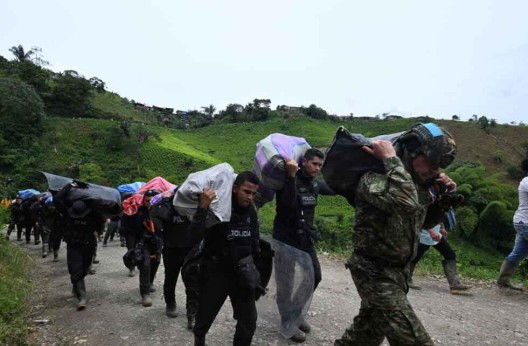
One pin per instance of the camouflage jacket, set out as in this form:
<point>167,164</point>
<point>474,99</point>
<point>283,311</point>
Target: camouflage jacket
<point>390,211</point>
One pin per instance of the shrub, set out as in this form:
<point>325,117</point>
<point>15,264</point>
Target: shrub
<point>495,226</point>
<point>467,220</point>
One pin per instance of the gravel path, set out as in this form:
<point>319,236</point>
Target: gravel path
<point>115,316</point>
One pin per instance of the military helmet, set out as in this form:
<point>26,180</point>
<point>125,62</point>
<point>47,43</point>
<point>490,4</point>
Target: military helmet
<point>432,141</point>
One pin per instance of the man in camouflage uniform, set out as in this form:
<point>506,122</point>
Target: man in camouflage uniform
<point>391,208</point>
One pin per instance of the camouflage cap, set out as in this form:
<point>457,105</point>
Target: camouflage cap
<point>432,141</point>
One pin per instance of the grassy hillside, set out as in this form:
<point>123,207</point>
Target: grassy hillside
<point>498,150</point>
<point>68,143</point>
<point>111,103</point>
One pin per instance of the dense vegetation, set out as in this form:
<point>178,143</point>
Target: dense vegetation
<point>69,125</point>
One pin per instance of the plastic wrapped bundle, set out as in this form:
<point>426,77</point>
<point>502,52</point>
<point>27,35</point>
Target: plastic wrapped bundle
<point>220,178</point>
<point>127,190</point>
<point>103,199</point>
<point>132,203</point>
<point>269,163</point>
<point>28,193</point>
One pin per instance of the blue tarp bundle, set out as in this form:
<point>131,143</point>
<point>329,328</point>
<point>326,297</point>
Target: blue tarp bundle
<point>130,188</point>
<point>28,193</point>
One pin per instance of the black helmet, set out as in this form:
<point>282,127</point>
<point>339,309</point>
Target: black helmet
<point>432,141</point>
<point>78,210</point>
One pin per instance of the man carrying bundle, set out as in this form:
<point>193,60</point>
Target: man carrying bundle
<point>82,221</point>
<point>227,266</point>
<point>392,207</point>
<point>294,228</point>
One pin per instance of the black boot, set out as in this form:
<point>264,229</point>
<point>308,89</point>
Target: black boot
<point>190,322</point>
<point>44,250</point>
<point>199,341</point>
<point>170,310</point>
<point>55,255</point>
<point>81,295</point>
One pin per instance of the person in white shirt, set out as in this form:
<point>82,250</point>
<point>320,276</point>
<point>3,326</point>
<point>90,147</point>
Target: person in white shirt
<point>520,223</point>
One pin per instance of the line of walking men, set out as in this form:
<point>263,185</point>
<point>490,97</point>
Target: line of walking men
<point>391,208</point>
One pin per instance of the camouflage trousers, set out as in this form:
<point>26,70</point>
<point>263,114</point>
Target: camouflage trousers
<point>385,310</point>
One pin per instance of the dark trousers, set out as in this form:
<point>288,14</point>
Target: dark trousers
<point>19,228</point>
<point>216,284</point>
<point>131,240</point>
<point>28,226</point>
<point>442,247</point>
<point>55,239</point>
<point>45,235</point>
<point>11,226</point>
<point>79,258</point>
<point>173,260</point>
<point>148,269</point>
<point>110,231</point>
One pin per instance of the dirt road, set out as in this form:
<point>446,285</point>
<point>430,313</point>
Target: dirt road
<point>115,316</point>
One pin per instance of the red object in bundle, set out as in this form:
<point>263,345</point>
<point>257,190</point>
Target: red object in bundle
<point>132,204</point>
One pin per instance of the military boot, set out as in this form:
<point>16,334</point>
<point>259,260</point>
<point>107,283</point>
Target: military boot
<point>199,341</point>
<point>190,322</point>
<point>299,337</point>
<point>44,250</point>
<point>305,327</point>
<point>81,295</point>
<point>146,300</point>
<point>455,286</point>
<point>507,270</point>
<point>410,281</point>
<point>170,310</point>
<point>55,255</point>
<point>91,270</point>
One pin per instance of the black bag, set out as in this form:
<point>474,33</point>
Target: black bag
<point>264,264</point>
<point>192,264</point>
<point>346,162</point>
<point>247,273</point>
<point>134,257</point>
<point>129,259</point>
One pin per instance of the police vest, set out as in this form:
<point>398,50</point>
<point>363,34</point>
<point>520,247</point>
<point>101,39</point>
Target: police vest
<point>307,199</point>
<point>240,233</point>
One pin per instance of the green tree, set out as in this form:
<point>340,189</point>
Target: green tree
<point>33,75</point>
<point>98,84</point>
<point>70,95</point>
<point>209,110</point>
<point>315,112</point>
<point>20,53</point>
<point>21,112</point>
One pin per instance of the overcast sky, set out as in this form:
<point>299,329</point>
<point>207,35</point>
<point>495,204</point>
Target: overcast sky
<point>366,57</point>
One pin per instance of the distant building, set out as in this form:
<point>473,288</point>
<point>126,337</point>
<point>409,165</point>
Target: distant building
<point>392,117</point>
<point>366,118</point>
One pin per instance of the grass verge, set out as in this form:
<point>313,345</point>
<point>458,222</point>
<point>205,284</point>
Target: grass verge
<point>14,290</point>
